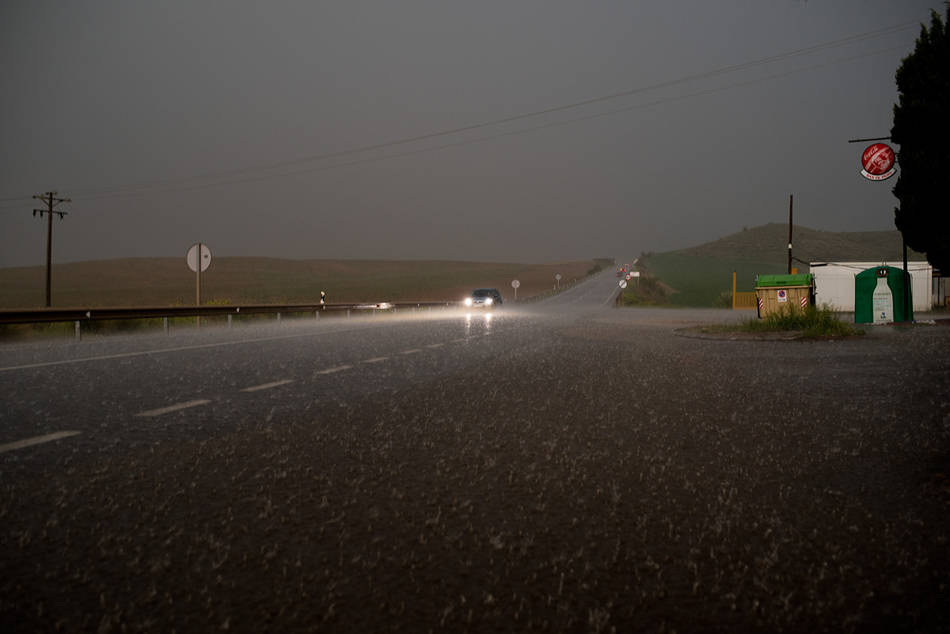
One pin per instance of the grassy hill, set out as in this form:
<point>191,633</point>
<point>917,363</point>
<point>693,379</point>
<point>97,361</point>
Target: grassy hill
<point>251,280</point>
<point>700,274</point>
<point>769,243</point>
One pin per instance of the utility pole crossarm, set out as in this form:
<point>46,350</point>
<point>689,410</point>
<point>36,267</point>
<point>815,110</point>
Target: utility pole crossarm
<point>47,211</point>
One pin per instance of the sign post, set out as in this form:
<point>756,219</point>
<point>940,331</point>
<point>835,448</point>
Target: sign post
<point>515,284</point>
<point>198,259</point>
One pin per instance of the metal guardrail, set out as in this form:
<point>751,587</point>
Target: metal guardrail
<point>52,315</point>
<point>80,315</point>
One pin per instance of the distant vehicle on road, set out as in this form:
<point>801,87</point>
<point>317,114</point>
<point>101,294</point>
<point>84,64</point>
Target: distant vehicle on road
<point>484,298</point>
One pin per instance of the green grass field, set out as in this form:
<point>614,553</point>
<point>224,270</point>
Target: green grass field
<point>700,275</point>
<point>700,281</point>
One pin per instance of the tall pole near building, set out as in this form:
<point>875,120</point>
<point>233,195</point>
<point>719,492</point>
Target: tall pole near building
<point>790,234</point>
<point>51,201</point>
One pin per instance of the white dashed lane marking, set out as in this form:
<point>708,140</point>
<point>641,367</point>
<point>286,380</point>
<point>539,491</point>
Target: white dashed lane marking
<point>267,386</point>
<point>173,408</point>
<point>338,368</point>
<point>36,440</point>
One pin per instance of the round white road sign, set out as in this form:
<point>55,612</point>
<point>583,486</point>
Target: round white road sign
<point>515,283</point>
<point>558,277</point>
<point>623,283</point>
<point>192,257</point>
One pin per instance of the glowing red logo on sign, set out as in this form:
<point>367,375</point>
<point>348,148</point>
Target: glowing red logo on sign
<point>878,162</point>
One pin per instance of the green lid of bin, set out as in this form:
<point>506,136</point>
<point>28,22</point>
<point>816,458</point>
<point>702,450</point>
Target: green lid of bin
<point>770,281</point>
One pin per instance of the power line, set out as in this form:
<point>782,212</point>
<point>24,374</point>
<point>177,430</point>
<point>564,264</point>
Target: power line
<point>183,183</point>
<point>536,113</point>
<point>510,133</point>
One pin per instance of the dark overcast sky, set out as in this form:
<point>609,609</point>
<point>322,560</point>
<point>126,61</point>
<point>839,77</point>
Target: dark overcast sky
<point>174,122</point>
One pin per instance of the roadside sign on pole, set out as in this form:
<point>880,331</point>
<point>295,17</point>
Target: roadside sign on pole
<point>623,283</point>
<point>198,259</point>
<point>192,257</point>
<point>515,284</point>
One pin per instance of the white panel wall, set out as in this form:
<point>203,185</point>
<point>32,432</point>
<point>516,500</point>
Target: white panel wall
<point>834,283</point>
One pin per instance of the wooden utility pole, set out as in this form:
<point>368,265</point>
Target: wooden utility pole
<point>790,234</point>
<point>51,201</point>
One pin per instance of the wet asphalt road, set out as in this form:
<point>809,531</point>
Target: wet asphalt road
<point>562,467</point>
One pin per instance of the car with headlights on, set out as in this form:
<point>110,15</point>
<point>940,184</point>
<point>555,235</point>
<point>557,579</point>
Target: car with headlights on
<point>483,298</point>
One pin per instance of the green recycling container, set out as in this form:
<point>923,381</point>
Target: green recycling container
<point>879,296</point>
<point>778,293</point>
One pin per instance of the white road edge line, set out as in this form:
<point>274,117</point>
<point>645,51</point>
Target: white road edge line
<point>126,355</point>
<point>173,408</point>
<point>338,368</point>
<point>412,351</point>
<point>376,360</point>
<point>435,345</point>
<point>37,440</point>
<point>267,386</point>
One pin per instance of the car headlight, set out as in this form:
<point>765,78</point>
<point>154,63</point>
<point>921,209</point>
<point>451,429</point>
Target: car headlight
<point>468,301</point>
<point>489,301</point>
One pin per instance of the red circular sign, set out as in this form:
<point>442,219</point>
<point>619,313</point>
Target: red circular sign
<point>878,159</point>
